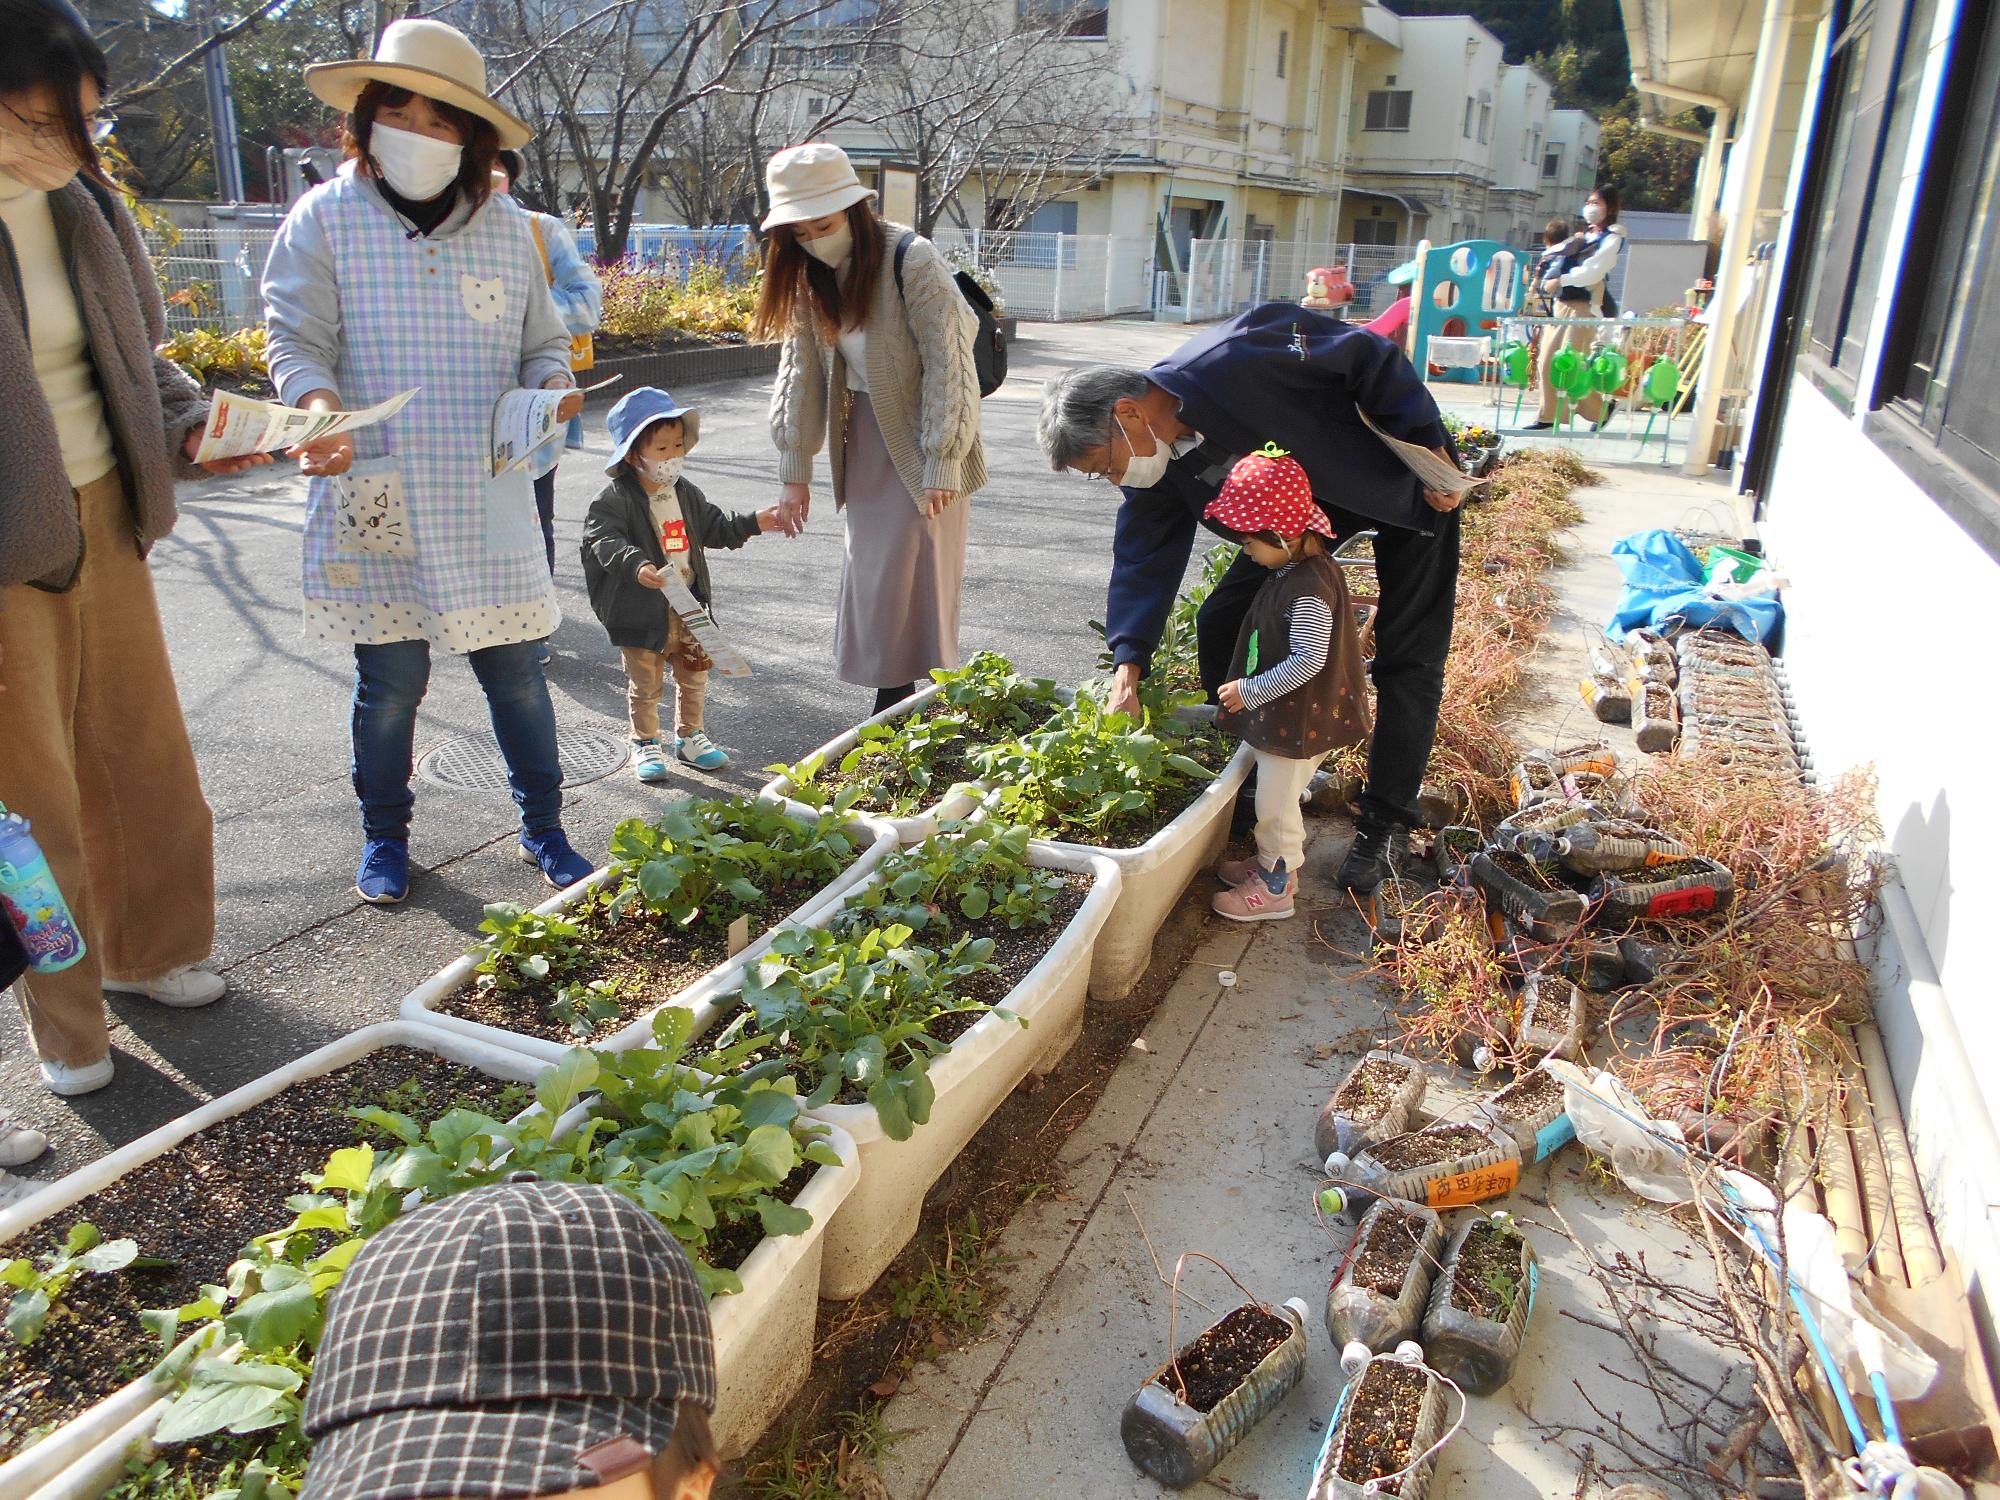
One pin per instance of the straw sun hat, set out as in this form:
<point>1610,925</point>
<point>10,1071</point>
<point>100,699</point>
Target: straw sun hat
<point>428,58</point>
<point>809,182</point>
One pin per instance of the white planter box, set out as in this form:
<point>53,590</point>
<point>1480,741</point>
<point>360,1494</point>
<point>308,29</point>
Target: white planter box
<point>972,1079</point>
<point>913,829</point>
<point>1155,874</point>
<point>61,1454</point>
<point>420,1006</point>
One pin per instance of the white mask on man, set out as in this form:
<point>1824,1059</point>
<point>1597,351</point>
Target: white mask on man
<point>1144,470</point>
<point>416,166</point>
<point>831,249</point>
<point>661,472</point>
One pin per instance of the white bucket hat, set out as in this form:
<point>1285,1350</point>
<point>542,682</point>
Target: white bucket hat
<point>428,58</point>
<point>809,182</point>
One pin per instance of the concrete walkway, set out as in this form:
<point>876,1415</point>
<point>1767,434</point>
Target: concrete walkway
<point>1204,1137</point>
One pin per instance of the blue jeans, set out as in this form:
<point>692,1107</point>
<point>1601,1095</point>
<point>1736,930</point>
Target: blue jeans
<point>389,684</point>
<point>573,436</point>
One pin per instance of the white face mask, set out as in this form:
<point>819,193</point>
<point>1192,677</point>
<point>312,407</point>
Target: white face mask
<point>831,249</point>
<point>1144,470</point>
<point>1593,213</point>
<point>33,163</point>
<point>416,166</point>
<point>661,472</point>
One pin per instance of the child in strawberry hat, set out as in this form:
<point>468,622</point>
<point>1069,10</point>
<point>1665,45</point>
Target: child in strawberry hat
<point>1295,688</point>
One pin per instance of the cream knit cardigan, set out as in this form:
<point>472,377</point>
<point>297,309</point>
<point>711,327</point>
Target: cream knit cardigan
<point>921,380</point>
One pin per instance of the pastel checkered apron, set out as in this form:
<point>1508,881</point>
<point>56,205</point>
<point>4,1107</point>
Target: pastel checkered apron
<point>418,541</point>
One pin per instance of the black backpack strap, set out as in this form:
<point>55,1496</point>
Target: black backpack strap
<point>903,243</point>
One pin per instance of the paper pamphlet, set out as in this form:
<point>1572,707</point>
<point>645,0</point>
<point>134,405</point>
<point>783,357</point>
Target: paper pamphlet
<point>240,425</point>
<point>701,624</point>
<point>523,420</point>
<point>1432,472</point>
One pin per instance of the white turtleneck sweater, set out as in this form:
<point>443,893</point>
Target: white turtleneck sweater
<point>55,334</point>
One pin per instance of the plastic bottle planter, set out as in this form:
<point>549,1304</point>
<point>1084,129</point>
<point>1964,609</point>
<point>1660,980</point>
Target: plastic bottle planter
<point>1480,1304</point>
<point>1535,1112</point>
<point>1687,888</point>
<point>1595,963</point>
<point>1596,846</point>
<point>1397,909</point>
<point>1726,650</point>
<point>1534,781</point>
<point>1537,826</point>
<point>1377,1296</point>
<point>1653,658</point>
<point>1442,1166</point>
<point>1528,894</point>
<point>1375,1101</point>
<point>1387,1416</point>
<point>1644,961</point>
<point>1699,695</point>
<point>1607,689</point>
<point>1178,1426</point>
<point>1553,1015</point>
<point>1452,851</point>
<point>1656,718</point>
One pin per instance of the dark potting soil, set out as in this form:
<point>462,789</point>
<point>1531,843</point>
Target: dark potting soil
<point>890,789</point>
<point>1426,1148</point>
<point>199,1468</point>
<point>650,960</point>
<point>1370,1090</point>
<point>1551,1010</point>
<point>1217,1363</point>
<point>1532,1094</point>
<point>1678,869</point>
<point>1383,1263</point>
<point>1379,1428</point>
<point>1530,873</point>
<point>1489,1273</point>
<point>196,1207</point>
<point>730,1245</point>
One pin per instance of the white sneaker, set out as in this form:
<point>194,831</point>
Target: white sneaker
<point>18,1144</point>
<point>184,988</point>
<point>13,1189</point>
<point>69,1082</point>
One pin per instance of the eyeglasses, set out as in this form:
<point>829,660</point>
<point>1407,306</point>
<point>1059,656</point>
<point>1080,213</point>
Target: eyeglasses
<point>97,128</point>
<point>1105,473</point>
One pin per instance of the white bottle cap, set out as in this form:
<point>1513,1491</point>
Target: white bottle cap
<point>1336,1163</point>
<point>1482,1058</point>
<point>1410,1352</point>
<point>1354,1358</point>
<point>1227,979</point>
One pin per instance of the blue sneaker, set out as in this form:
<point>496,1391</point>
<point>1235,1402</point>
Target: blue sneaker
<point>384,876</point>
<point>561,866</point>
<point>701,752</point>
<point>649,761</point>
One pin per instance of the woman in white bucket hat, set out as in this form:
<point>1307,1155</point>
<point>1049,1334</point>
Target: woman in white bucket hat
<point>887,374</point>
<point>405,271</point>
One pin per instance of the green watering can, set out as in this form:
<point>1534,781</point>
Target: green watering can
<point>1569,374</point>
<point>1662,382</point>
<point>1608,371</point>
<point>1514,363</point>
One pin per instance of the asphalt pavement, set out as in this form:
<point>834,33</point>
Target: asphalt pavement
<point>268,711</point>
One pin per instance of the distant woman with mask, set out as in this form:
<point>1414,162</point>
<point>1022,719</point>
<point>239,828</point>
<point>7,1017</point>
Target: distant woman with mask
<point>402,272</point>
<point>1576,283</point>
<point>93,748</point>
<point>887,374</point>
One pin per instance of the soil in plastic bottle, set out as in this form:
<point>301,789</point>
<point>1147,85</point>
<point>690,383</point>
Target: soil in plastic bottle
<point>1441,1143</point>
<point>1537,876</point>
<point>1217,1362</point>
<point>1551,1012</point>
<point>1488,1279</point>
<point>1383,1264</point>
<point>1532,1095</point>
<point>1381,1424</point>
<point>1370,1090</point>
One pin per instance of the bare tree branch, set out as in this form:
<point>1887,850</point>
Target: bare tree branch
<point>193,55</point>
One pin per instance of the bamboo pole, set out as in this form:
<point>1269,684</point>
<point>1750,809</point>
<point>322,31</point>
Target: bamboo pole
<point>1872,1171</point>
<point>1920,1247</point>
<point>1836,1170</point>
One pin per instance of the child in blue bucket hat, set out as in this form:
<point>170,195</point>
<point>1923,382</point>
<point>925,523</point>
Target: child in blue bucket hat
<point>648,521</point>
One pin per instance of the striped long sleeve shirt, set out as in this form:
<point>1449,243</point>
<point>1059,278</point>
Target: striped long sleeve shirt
<point>1311,628</point>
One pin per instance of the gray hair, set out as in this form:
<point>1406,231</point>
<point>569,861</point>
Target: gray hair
<point>1076,410</point>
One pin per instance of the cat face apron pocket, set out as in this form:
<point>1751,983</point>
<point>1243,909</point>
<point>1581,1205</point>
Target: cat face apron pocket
<point>485,298</point>
<point>511,523</point>
<point>369,512</point>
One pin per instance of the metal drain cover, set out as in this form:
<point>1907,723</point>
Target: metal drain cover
<point>474,764</point>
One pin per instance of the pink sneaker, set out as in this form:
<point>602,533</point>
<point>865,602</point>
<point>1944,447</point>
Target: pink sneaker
<point>1233,872</point>
<point>1256,901</point>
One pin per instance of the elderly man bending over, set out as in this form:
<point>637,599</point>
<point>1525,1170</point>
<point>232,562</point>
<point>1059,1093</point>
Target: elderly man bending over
<point>1168,435</point>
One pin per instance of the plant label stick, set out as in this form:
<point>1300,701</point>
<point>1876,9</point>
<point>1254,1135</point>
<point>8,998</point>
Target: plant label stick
<point>701,624</point>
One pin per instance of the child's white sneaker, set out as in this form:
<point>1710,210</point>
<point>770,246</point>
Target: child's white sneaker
<point>701,752</point>
<point>649,761</point>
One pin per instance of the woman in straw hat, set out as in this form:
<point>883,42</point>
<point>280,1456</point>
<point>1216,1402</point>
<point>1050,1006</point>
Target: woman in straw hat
<point>402,272</point>
<point>879,355</point>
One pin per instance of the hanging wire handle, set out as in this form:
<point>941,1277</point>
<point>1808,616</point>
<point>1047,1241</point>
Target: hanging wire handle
<point>1174,1308</point>
<point>1376,1485</point>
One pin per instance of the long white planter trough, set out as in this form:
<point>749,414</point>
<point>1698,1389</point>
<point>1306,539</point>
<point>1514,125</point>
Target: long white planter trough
<point>1155,873</point>
<point>420,1006</point>
<point>50,1468</point>
<point>972,1079</point>
<point>913,829</point>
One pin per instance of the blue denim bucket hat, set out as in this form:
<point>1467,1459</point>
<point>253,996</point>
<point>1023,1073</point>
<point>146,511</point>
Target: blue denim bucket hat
<point>640,409</point>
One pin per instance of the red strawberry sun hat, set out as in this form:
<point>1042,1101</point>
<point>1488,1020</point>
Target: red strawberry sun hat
<point>1268,491</point>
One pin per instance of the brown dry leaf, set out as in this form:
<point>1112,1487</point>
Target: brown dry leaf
<point>887,1386</point>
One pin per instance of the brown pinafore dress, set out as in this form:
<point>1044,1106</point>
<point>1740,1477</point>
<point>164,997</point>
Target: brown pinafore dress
<point>1330,709</point>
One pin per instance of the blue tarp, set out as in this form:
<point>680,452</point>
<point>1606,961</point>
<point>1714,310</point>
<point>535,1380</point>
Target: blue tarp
<point>1664,584</point>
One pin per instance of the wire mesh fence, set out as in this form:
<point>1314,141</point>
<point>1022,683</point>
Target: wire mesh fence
<point>210,277</point>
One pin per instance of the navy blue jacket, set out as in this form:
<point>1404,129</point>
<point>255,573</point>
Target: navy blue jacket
<point>1280,374</point>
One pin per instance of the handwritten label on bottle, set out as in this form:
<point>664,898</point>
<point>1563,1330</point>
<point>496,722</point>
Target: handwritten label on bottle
<point>1476,1186</point>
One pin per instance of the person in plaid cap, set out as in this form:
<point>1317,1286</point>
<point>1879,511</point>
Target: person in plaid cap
<point>535,1338</point>
<point>1295,688</point>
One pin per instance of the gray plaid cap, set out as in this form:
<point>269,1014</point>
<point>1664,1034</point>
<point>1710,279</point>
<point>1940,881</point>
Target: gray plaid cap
<point>478,1346</point>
